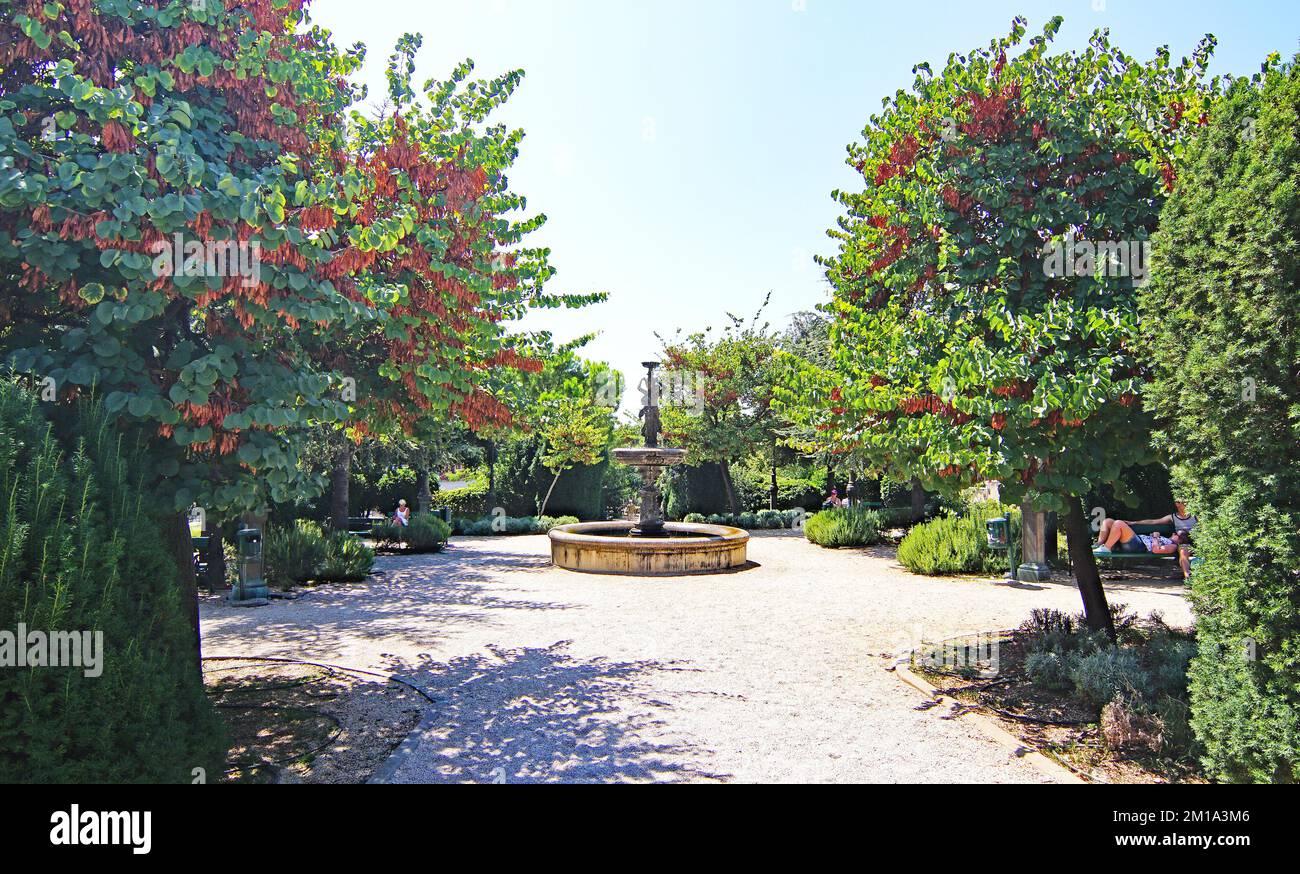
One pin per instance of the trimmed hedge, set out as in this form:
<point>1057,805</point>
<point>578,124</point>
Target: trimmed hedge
<point>764,519</point>
<point>470,500</point>
<point>1221,312</point>
<point>509,525</point>
<point>522,480</point>
<point>695,488</point>
<point>82,549</point>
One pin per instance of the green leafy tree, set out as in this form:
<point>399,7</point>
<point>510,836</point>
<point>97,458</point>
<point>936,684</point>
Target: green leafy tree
<point>1221,322</point>
<point>575,432</point>
<point>445,271</point>
<point>716,394</point>
<point>985,300</point>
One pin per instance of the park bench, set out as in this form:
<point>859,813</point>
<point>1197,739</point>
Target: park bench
<point>1121,558</point>
<point>361,526</point>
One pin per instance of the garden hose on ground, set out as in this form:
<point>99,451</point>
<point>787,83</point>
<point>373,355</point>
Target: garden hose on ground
<point>331,667</point>
<point>238,767</point>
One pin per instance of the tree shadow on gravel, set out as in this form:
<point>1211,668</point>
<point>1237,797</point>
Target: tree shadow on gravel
<point>416,597</point>
<point>538,715</point>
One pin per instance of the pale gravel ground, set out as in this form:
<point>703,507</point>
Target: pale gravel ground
<point>770,674</point>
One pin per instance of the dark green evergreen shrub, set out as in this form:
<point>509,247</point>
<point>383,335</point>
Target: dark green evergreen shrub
<point>692,488</point>
<point>1221,314</point>
<point>82,549</point>
<point>522,480</point>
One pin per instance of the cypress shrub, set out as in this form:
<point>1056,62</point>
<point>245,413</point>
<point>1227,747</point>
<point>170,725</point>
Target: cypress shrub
<point>81,548</point>
<point>696,488</point>
<point>1220,314</point>
<point>522,480</point>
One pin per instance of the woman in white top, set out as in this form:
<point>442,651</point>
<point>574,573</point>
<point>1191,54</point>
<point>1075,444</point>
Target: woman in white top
<point>403,514</point>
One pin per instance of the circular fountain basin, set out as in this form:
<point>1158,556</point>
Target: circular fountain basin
<point>688,548</point>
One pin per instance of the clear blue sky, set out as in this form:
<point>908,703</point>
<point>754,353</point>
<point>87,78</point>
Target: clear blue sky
<point>684,151</point>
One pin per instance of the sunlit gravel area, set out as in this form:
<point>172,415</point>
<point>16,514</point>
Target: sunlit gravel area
<point>774,673</point>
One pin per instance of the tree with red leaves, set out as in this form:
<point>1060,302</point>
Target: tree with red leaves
<point>985,287</point>
<point>193,227</point>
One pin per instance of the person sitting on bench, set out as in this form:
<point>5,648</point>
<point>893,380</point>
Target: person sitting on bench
<point>1119,534</point>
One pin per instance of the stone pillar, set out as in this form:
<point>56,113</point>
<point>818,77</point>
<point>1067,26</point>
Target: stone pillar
<point>1033,546</point>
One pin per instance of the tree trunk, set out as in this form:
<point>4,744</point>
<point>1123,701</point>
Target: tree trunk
<point>918,500</point>
<point>178,535</point>
<point>541,511</point>
<point>339,477</point>
<point>491,455</point>
<point>725,469</point>
<point>1096,611</point>
<point>423,495</point>
<point>771,497</point>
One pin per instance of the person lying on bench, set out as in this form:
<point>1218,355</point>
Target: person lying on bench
<point>1119,534</point>
<point>1183,523</point>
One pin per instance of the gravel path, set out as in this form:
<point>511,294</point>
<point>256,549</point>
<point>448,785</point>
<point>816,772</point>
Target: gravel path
<point>771,674</point>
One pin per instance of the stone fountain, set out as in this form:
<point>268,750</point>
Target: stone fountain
<point>650,546</point>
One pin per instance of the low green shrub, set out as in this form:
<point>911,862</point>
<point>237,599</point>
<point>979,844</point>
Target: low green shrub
<point>763,519</point>
<point>302,552</point>
<point>293,553</point>
<point>1139,687</point>
<point>835,528</point>
<point>895,517</point>
<point>546,523</point>
<point>346,559</point>
<point>1049,670</point>
<point>509,524</point>
<point>386,533</point>
<point>1109,672</point>
<point>426,533</point>
<point>956,544</point>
